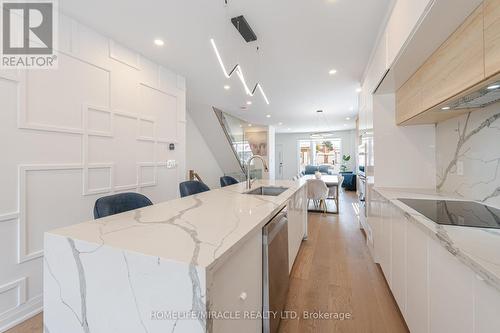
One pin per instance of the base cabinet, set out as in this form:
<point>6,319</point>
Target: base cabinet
<point>236,287</point>
<point>451,292</point>
<point>417,280</point>
<point>486,308</point>
<point>399,259</point>
<point>435,291</point>
<point>297,223</point>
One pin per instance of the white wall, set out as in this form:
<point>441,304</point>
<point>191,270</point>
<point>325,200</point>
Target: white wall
<point>289,144</point>
<point>199,157</point>
<point>100,123</point>
<point>405,157</point>
<point>210,129</point>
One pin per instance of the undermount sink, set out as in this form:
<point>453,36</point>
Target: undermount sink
<point>267,190</point>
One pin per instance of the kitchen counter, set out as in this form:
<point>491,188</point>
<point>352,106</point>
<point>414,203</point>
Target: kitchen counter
<point>166,257</point>
<point>477,248</point>
<point>210,224</point>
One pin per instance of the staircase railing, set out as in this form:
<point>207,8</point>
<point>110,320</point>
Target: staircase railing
<point>231,138</point>
<point>192,175</point>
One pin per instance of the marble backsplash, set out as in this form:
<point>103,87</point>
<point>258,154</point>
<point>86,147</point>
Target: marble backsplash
<point>472,141</point>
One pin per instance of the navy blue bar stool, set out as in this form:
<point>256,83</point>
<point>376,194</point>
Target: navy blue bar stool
<point>227,180</point>
<point>191,187</point>
<point>119,203</point>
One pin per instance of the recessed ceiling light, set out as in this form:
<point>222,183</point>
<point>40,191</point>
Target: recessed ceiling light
<point>268,116</point>
<point>249,102</point>
<point>345,125</point>
<point>227,87</point>
<point>249,125</point>
<point>289,128</point>
<point>494,86</point>
<point>332,71</point>
<point>347,118</point>
<point>280,124</point>
<point>445,108</point>
<point>359,90</point>
<point>159,42</point>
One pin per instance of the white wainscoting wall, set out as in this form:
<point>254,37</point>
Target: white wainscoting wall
<point>99,124</point>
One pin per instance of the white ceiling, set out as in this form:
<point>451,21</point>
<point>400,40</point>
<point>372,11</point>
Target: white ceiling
<point>299,42</point>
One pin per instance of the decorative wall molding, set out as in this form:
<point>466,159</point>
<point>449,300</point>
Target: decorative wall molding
<point>20,285</point>
<point>25,123</point>
<point>17,315</point>
<point>174,137</point>
<point>131,59</point>
<point>9,217</point>
<point>23,254</point>
<point>90,111</point>
<point>87,109</point>
<point>87,190</point>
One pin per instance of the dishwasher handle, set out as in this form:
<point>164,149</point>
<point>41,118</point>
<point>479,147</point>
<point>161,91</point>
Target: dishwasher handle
<point>275,226</point>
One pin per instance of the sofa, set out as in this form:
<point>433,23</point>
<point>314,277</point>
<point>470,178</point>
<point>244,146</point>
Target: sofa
<point>324,169</point>
<point>349,183</point>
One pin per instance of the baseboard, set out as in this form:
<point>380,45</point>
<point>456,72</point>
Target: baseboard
<point>21,313</point>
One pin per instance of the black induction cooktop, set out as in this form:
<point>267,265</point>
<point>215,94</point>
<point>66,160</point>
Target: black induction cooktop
<point>458,213</point>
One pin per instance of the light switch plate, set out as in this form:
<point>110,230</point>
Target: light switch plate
<point>171,164</point>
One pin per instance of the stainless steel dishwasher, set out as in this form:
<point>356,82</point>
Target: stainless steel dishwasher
<point>275,270</point>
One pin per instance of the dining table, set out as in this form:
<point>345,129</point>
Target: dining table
<point>331,181</point>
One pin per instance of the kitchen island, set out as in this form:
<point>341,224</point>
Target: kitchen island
<point>188,265</point>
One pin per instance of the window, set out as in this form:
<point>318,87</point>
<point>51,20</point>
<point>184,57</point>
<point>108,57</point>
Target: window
<point>320,151</point>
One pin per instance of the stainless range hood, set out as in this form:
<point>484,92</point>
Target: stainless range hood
<point>484,96</point>
<point>480,95</point>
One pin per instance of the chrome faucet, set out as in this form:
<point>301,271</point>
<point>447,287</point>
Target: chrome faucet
<point>266,169</point>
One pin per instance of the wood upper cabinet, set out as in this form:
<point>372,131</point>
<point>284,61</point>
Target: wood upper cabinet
<point>492,37</point>
<point>409,98</point>
<point>457,65</point>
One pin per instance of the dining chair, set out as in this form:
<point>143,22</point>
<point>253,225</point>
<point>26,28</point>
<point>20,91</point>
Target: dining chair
<point>191,187</point>
<point>228,180</point>
<point>318,192</point>
<point>119,203</point>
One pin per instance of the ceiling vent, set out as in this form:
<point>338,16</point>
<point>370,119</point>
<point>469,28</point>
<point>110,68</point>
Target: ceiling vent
<point>241,24</point>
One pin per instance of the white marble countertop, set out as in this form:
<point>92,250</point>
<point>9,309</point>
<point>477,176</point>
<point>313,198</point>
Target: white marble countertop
<point>198,230</point>
<point>478,248</point>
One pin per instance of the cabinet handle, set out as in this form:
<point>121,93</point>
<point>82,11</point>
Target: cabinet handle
<point>243,296</point>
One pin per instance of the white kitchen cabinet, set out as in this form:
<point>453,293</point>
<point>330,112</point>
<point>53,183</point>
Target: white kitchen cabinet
<point>486,308</point>
<point>404,17</point>
<point>451,292</point>
<point>385,241</point>
<point>297,221</point>
<point>417,279</point>
<point>398,253</point>
<point>237,287</point>
<point>371,223</point>
<point>434,290</point>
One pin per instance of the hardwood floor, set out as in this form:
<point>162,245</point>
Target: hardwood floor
<point>33,325</point>
<point>333,273</point>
